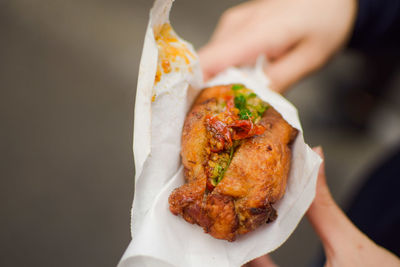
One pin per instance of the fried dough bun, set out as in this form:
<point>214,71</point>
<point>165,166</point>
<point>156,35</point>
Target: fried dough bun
<point>236,157</point>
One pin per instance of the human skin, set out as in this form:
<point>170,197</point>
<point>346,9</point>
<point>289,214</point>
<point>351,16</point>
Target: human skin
<point>296,36</point>
<point>344,244</point>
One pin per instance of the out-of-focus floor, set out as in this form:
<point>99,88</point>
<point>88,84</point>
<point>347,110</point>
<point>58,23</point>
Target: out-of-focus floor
<point>68,72</point>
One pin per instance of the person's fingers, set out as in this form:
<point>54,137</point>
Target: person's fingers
<point>217,56</point>
<point>231,20</point>
<point>242,50</point>
<point>333,227</point>
<point>263,261</point>
<point>323,194</point>
<point>292,66</point>
<point>343,242</point>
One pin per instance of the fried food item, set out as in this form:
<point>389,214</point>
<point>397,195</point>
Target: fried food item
<point>236,157</point>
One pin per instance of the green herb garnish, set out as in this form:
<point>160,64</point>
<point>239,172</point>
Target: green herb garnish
<point>261,108</point>
<point>237,87</point>
<point>232,150</point>
<point>240,101</point>
<point>252,95</point>
<point>222,166</point>
<point>245,114</point>
<point>249,106</point>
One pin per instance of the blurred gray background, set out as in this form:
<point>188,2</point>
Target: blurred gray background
<point>68,72</point>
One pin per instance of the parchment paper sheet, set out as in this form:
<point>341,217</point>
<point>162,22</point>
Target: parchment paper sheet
<point>162,239</point>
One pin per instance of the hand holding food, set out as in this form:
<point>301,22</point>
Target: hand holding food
<point>236,156</point>
<point>297,37</point>
<point>344,244</point>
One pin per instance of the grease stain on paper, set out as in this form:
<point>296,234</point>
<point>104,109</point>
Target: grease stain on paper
<point>173,54</point>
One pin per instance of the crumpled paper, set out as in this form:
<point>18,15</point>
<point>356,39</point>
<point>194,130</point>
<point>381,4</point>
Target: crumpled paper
<point>158,237</point>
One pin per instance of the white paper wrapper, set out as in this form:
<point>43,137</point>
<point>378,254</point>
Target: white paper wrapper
<point>158,237</point>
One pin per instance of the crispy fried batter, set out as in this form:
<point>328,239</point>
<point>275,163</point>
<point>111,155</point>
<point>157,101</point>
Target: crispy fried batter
<point>255,179</point>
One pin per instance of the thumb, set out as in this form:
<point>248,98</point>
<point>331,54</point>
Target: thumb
<point>328,220</point>
<point>263,261</point>
<point>343,242</point>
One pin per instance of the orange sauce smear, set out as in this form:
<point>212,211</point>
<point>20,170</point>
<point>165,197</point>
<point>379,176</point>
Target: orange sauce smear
<point>170,49</point>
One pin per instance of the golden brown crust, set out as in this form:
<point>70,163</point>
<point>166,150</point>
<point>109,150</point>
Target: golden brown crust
<point>255,178</point>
